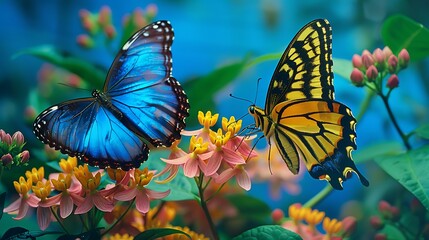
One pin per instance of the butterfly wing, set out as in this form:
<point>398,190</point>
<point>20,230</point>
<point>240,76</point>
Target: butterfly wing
<point>140,85</point>
<point>305,68</point>
<point>321,132</point>
<point>84,128</point>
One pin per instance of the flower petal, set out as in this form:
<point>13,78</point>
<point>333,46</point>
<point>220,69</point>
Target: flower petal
<point>213,163</point>
<point>157,195</point>
<point>191,133</point>
<point>225,176</point>
<point>43,217</point>
<point>66,206</point>
<point>85,206</point>
<point>13,206</point>
<point>190,169</point>
<point>177,161</point>
<point>232,157</point>
<point>102,203</point>
<point>126,195</point>
<point>23,209</point>
<point>243,179</point>
<point>142,202</point>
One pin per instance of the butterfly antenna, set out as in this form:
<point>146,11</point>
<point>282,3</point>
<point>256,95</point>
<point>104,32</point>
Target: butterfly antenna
<point>239,98</point>
<point>269,159</point>
<point>257,90</point>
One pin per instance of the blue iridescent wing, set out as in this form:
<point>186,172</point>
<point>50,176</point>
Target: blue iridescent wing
<point>140,86</point>
<point>90,131</point>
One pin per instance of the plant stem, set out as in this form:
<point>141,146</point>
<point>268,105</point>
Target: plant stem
<point>120,218</point>
<point>319,197</point>
<point>205,208</point>
<point>395,123</point>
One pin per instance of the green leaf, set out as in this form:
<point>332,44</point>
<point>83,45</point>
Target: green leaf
<point>2,198</point>
<point>202,90</point>
<point>399,31</point>
<point>410,170</point>
<point>268,232</point>
<point>250,207</point>
<point>156,233</point>
<point>422,131</point>
<point>343,67</point>
<point>87,71</point>
<point>181,187</point>
<point>377,150</point>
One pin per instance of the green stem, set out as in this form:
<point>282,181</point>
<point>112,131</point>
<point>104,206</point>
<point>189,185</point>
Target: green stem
<point>59,221</point>
<point>161,205</point>
<point>319,197</point>
<point>205,208</point>
<point>84,223</point>
<point>119,218</point>
<point>395,123</point>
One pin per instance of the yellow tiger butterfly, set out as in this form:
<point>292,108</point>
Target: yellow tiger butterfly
<point>301,116</point>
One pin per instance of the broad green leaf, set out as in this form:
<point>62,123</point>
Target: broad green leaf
<point>423,131</point>
<point>268,232</point>
<point>410,170</point>
<point>202,90</point>
<point>87,71</point>
<point>181,187</point>
<point>249,207</point>
<point>376,150</point>
<point>399,31</point>
<point>343,67</point>
<point>156,233</point>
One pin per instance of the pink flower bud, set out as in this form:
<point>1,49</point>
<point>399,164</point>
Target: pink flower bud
<point>404,58</point>
<point>6,159</point>
<point>7,139</point>
<point>357,61</point>
<point>376,222</point>
<point>25,156</point>
<point>393,81</point>
<point>417,207</point>
<point>380,236</point>
<point>30,113</point>
<point>357,77</point>
<point>387,52</point>
<point>371,73</point>
<point>277,215</point>
<point>349,226</point>
<point>105,16</point>
<point>396,213</point>
<point>378,56</point>
<point>384,207</point>
<point>2,134</point>
<point>151,10</point>
<point>18,138</point>
<point>138,18</point>
<point>110,31</point>
<point>85,41</point>
<point>392,64</point>
<point>367,60</point>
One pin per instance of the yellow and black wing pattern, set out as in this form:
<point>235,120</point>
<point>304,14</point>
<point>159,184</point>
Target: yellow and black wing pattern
<point>301,116</point>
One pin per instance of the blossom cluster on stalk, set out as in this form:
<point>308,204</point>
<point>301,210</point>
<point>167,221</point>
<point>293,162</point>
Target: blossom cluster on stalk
<point>217,154</point>
<point>78,190</point>
<point>371,68</point>
<point>303,221</point>
<point>11,150</point>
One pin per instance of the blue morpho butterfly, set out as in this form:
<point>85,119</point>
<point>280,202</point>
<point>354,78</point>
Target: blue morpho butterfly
<point>141,104</point>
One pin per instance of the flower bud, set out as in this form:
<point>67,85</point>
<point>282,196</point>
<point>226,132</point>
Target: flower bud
<point>7,139</point>
<point>357,77</point>
<point>29,113</point>
<point>393,81</point>
<point>367,59</point>
<point>18,138</point>
<point>2,134</point>
<point>376,222</point>
<point>380,236</point>
<point>151,10</point>
<point>404,58</point>
<point>357,61</point>
<point>85,41</point>
<point>25,156</point>
<point>110,31</point>
<point>392,64</point>
<point>6,159</point>
<point>349,226</point>
<point>417,207</point>
<point>277,215</point>
<point>372,73</point>
<point>387,52</point>
<point>396,213</point>
<point>105,16</point>
<point>378,56</point>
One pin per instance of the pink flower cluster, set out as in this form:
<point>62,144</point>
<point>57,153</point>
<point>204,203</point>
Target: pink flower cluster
<point>371,68</point>
<point>219,155</point>
<point>11,152</point>
<point>79,190</point>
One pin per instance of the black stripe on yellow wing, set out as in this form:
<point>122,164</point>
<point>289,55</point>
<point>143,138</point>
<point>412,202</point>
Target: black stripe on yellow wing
<point>323,132</point>
<point>305,69</point>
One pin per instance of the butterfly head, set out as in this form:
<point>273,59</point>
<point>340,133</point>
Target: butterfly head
<point>258,114</point>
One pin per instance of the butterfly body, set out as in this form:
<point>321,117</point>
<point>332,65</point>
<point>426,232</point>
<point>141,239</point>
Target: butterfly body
<point>141,105</point>
<point>301,116</point>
